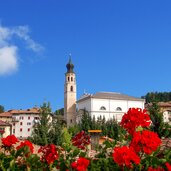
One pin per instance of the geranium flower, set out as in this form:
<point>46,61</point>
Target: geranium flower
<point>155,169</point>
<point>9,140</point>
<point>135,117</point>
<point>49,153</point>
<point>125,156</point>
<point>81,164</point>
<point>145,141</point>
<point>81,140</point>
<point>168,166</point>
<point>26,143</point>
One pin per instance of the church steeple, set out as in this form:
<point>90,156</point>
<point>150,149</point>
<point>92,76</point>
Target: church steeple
<point>70,94</point>
<point>70,66</point>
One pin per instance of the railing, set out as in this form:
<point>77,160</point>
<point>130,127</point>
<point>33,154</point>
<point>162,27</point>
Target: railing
<point>15,120</point>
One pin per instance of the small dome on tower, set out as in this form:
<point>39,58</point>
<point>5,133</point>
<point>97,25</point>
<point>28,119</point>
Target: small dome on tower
<point>70,66</point>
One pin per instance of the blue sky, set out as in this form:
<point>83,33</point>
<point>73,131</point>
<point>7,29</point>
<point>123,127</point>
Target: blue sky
<point>119,46</point>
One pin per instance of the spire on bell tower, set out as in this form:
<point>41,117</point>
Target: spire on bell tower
<point>70,65</point>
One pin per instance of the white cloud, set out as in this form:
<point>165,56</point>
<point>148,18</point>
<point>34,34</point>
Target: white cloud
<point>8,60</point>
<point>8,50</point>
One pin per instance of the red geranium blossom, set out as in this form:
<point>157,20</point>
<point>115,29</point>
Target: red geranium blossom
<point>26,143</point>
<point>125,156</point>
<point>49,153</point>
<point>81,164</point>
<point>146,141</point>
<point>134,118</point>
<point>81,140</point>
<point>9,140</point>
<point>168,166</point>
<point>155,169</point>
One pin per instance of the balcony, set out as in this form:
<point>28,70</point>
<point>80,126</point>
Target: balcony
<point>15,119</point>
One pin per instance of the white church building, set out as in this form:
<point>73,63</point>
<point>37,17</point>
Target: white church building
<point>108,104</point>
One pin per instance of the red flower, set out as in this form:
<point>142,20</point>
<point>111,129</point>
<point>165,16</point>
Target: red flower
<point>81,140</point>
<point>81,164</point>
<point>125,156</point>
<point>26,143</point>
<point>168,166</point>
<point>49,153</point>
<point>155,169</point>
<point>135,118</point>
<point>9,140</point>
<point>146,141</point>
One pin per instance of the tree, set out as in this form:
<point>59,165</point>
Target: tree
<point>59,112</point>
<point>86,121</point>
<point>157,97</point>
<point>41,130</point>
<point>2,109</point>
<point>55,133</point>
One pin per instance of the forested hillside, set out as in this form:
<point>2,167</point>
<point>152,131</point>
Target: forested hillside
<point>157,97</point>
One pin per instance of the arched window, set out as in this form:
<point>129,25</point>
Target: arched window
<point>68,78</point>
<point>102,108</point>
<point>118,109</point>
<point>71,88</point>
<point>71,78</point>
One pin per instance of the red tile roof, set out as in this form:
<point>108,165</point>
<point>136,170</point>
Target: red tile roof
<point>2,123</point>
<point>13,112</point>
<point>5,114</point>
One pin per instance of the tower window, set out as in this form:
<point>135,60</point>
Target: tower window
<point>68,78</point>
<point>119,109</point>
<point>71,78</point>
<point>102,108</point>
<point>71,88</point>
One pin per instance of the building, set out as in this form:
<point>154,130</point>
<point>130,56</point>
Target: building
<point>5,129</point>
<point>70,95</point>
<point>108,104</point>
<point>165,108</point>
<point>20,121</point>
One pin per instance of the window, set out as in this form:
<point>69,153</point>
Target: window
<point>68,78</point>
<point>118,109</point>
<point>28,129</point>
<point>71,88</point>
<point>22,117</point>
<point>28,123</point>
<point>28,117</point>
<point>71,120</point>
<point>102,108</point>
<point>21,123</point>
<point>71,78</point>
<point>13,131</point>
<point>13,124</point>
<point>21,129</point>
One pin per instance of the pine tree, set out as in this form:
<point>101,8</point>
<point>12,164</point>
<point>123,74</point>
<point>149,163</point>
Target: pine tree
<point>1,109</point>
<point>41,130</point>
<point>85,123</point>
<point>55,133</point>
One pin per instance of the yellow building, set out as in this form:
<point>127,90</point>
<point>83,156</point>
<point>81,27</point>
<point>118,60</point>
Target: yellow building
<point>5,129</point>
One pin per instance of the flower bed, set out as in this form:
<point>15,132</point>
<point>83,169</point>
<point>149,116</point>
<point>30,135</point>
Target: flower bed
<point>139,150</point>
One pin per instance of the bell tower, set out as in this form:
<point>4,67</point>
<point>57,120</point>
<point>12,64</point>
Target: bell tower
<point>70,95</point>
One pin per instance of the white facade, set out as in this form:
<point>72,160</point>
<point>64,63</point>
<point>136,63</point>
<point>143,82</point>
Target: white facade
<point>167,116</point>
<point>22,126</point>
<point>108,104</point>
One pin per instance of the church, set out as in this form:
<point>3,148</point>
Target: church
<point>105,104</point>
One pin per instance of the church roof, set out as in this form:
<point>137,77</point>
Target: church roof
<point>109,95</point>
